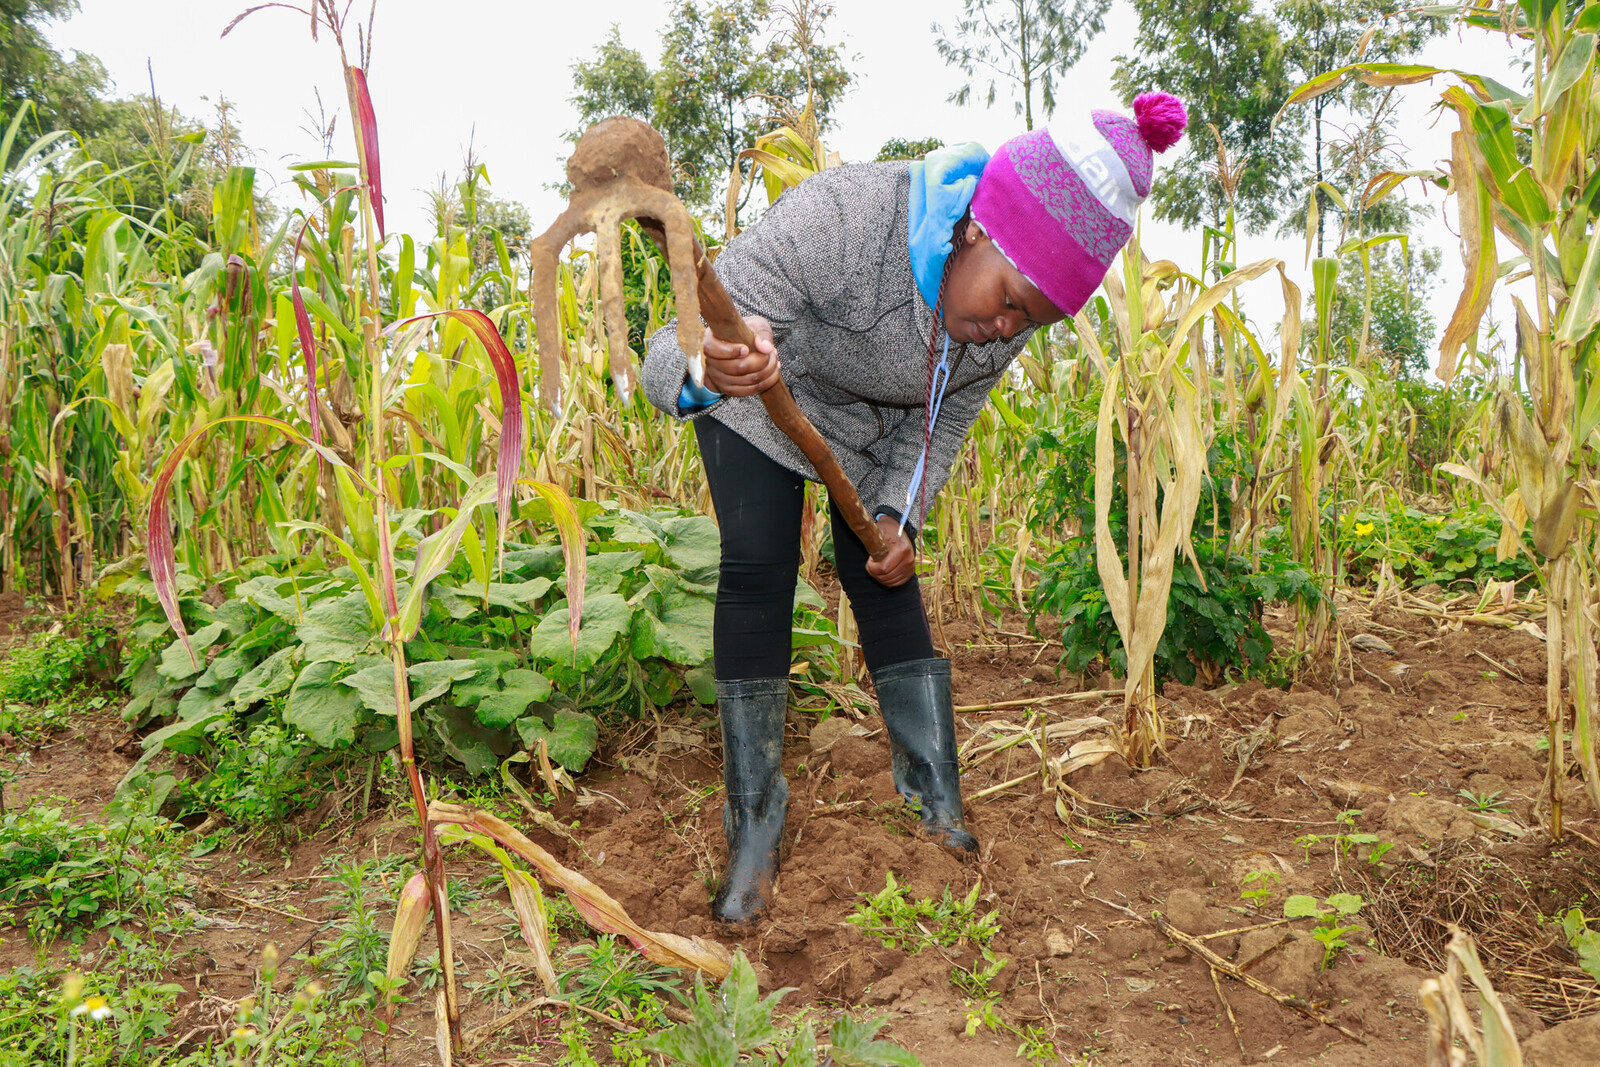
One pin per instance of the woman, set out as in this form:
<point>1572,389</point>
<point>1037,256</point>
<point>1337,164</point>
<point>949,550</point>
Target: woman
<point>898,294</point>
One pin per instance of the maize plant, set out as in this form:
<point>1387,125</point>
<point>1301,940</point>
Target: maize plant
<point>1525,173</point>
<point>360,362</point>
<point>1158,400</point>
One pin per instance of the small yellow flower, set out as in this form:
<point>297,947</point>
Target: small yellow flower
<point>243,1032</point>
<point>1364,529</point>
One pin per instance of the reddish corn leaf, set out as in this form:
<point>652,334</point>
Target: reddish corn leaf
<point>528,901</point>
<point>361,100</point>
<point>308,341</point>
<point>410,917</point>
<point>598,908</point>
<point>511,421</point>
<point>159,550</point>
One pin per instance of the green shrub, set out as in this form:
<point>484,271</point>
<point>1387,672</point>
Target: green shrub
<point>62,875</point>
<point>493,669</point>
<point>258,781</point>
<point>1447,549</point>
<point>43,668</point>
<point>1213,614</point>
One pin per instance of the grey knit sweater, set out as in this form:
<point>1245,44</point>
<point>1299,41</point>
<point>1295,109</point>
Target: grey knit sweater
<point>829,267</point>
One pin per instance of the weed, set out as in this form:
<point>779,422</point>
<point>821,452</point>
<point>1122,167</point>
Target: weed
<point>1584,941</point>
<point>1329,915</point>
<point>358,953</point>
<point>31,724</point>
<point>975,982</point>
<point>894,918</point>
<point>1037,1047</point>
<point>258,781</point>
<point>63,874</point>
<point>1345,839</point>
<point>43,668</point>
<point>608,976</point>
<point>1265,884</point>
<point>738,1021</point>
<point>1484,802</point>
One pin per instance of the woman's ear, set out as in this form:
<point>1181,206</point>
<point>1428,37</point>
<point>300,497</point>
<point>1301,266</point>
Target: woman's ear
<point>972,232</point>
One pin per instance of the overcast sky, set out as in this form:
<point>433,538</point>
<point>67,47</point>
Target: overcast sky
<point>497,74</point>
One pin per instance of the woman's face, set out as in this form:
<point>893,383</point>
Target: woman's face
<point>986,298</point>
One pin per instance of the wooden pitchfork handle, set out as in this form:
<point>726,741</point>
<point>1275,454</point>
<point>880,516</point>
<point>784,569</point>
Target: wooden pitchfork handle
<point>716,308</point>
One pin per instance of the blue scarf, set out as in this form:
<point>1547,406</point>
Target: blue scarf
<point>942,185</point>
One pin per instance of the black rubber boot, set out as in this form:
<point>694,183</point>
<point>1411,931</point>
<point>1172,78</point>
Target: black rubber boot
<point>752,713</point>
<point>919,714</point>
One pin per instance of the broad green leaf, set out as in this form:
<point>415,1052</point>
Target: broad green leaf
<point>517,596</point>
<point>702,683</point>
<point>607,569</point>
<point>186,735</point>
<point>225,668</point>
<point>1347,903</point>
<point>631,527</point>
<point>429,681</point>
<point>485,680</point>
<point>322,709</point>
<point>176,663</point>
<point>1301,906</point>
<point>605,618</point>
<point>467,740</point>
<point>262,591</point>
<point>522,687</point>
<point>693,543</point>
<point>854,1045</point>
<point>270,677</point>
<point>336,629</point>
<point>200,703</point>
<point>571,738</point>
<point>147,683</point>
<point>680,633</point>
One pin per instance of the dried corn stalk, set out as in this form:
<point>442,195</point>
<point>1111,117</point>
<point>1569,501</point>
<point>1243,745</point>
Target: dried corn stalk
<point>1157,399</point>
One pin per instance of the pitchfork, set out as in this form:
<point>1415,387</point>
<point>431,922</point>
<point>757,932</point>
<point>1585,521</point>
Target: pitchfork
<point>618,171</point>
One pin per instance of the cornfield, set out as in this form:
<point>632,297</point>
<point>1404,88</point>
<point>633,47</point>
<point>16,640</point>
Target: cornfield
<point>312,407</point>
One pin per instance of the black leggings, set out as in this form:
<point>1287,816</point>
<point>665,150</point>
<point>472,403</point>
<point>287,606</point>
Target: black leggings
<point>758,505</point>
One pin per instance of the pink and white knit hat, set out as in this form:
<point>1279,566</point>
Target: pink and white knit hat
<point>1060,202</point>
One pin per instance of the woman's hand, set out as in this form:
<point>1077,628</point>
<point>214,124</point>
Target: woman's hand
<point>900,565</point>
<point>736,370</point>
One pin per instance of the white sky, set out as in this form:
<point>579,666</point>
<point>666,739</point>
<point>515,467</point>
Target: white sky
<point>498,73</point>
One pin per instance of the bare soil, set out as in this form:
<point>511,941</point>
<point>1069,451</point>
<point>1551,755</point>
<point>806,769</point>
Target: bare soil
<point>1393,736</point>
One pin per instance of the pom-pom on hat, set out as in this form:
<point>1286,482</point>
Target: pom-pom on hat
<point>1060,202</point>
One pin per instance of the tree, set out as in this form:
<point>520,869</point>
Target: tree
<point>64,93</point>
<point>617,81</point>
<point>166,164</point>
<point>726,71</point>
<point>1399,332</point>
<point>900,148</point>
<point>1226,62</point>
<point>1026,43</point>
<point>1326,34</point>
